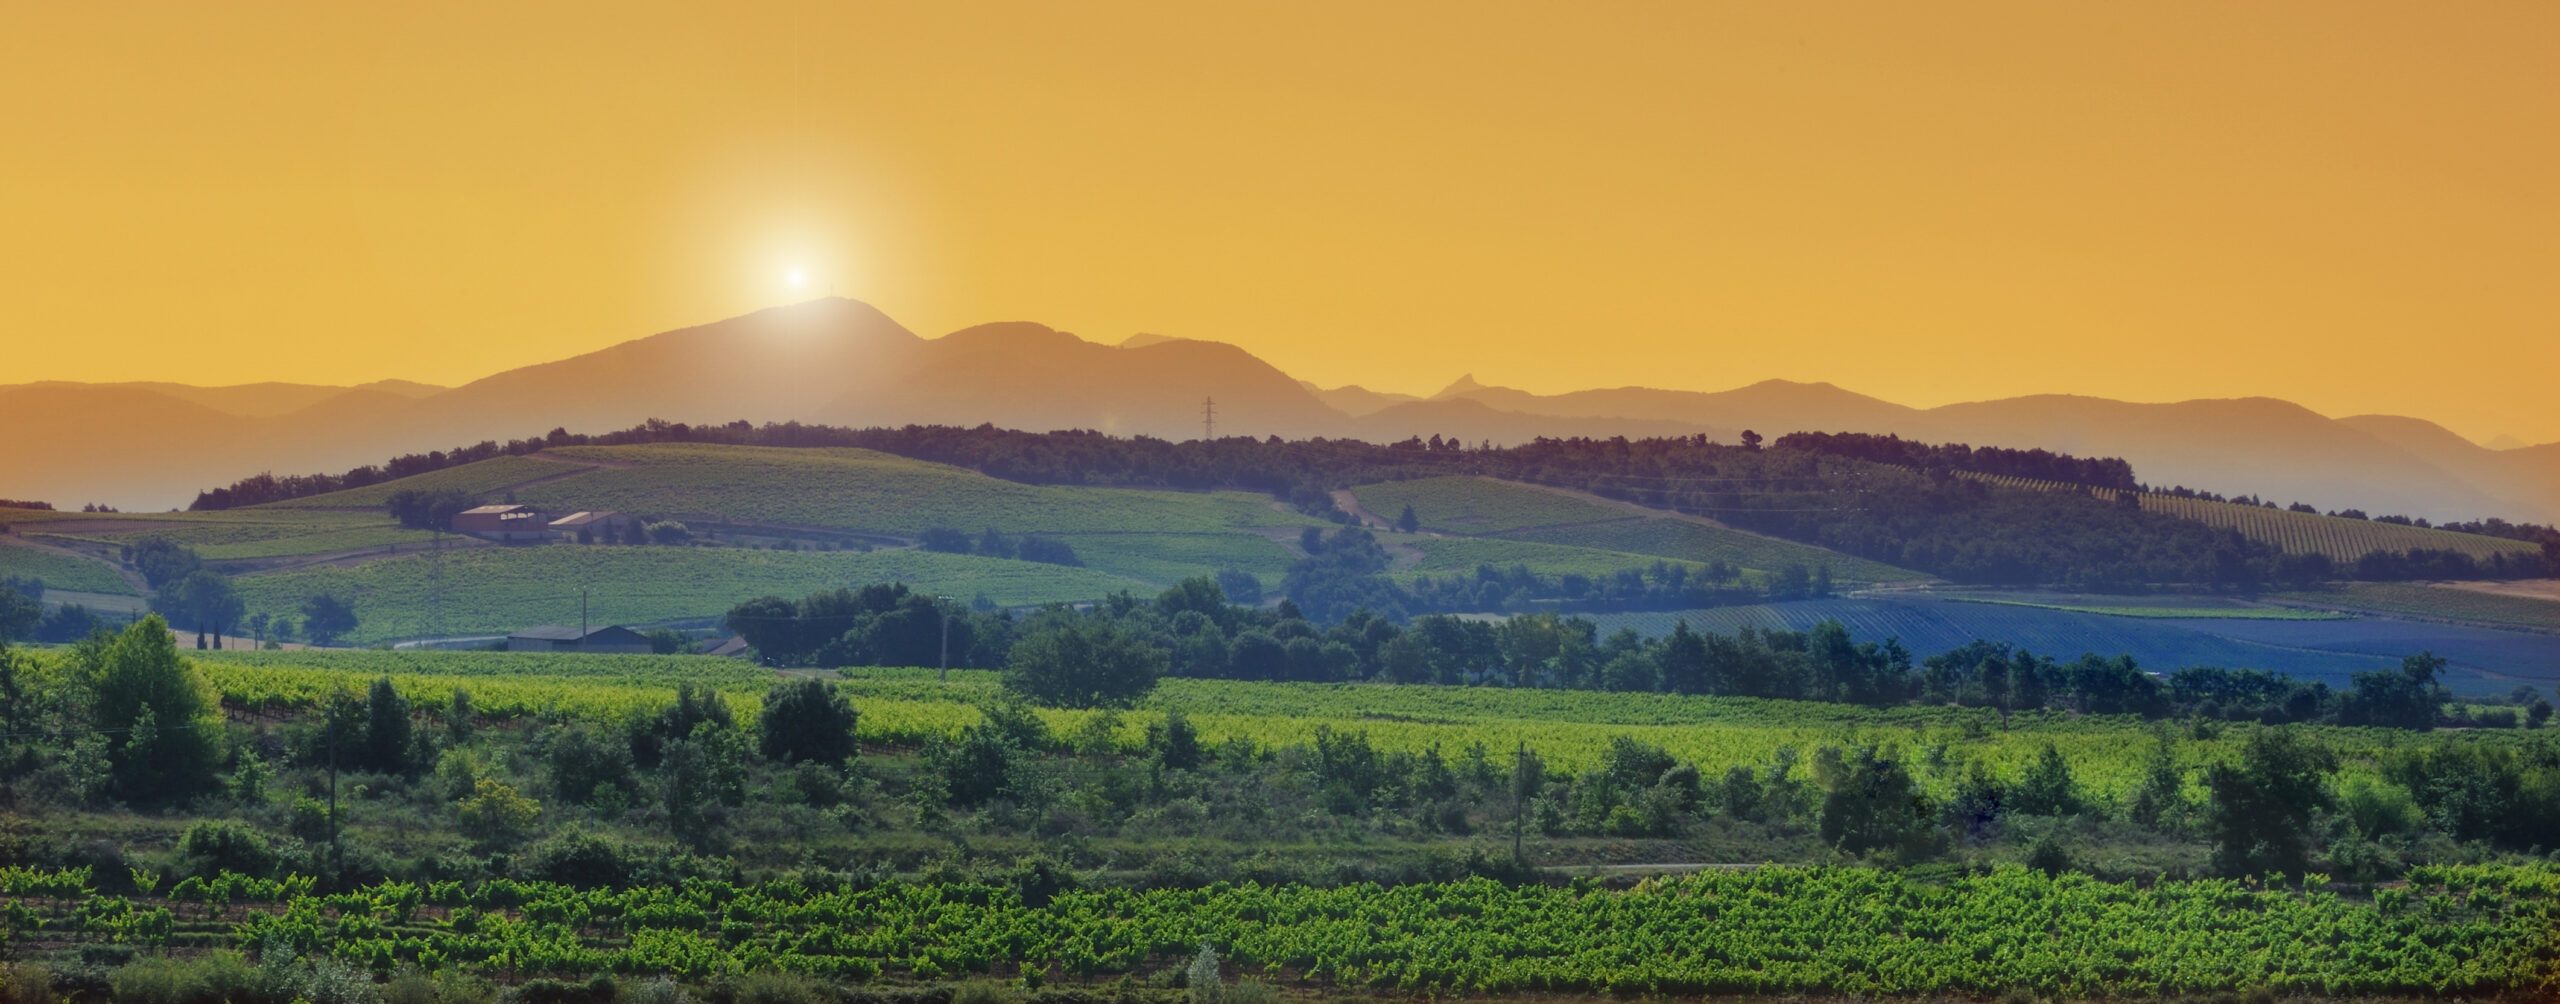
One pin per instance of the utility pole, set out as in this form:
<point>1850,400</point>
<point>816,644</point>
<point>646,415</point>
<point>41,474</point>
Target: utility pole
<point>1519,798</point>
<point>337,852</point>
<point>942,604</point>
<point>1208,419</point>
<point>582,616</point>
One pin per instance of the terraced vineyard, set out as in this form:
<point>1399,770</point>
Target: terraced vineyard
<point>1493,508</point>
<point>2340,538</point>
<point>494,590</point>
<point>235,534</point>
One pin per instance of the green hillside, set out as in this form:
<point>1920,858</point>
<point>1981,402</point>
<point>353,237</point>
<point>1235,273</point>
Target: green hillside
<point>1493,508</point>
<point>60,571</point>
<point>487,477</point>
<point>496,590</point>
<point>2341,538</point>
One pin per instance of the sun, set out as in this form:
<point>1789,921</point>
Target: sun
<point>797,277</point>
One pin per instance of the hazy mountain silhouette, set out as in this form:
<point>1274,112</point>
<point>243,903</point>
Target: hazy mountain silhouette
<point>1355,400</point>
<point>838,361</point>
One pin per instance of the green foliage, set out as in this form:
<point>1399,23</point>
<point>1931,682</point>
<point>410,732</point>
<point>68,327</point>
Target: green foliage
<point>1067,660</point>
<point>1873,805</point>
<point>327,618</point>
<point>161,716</point>
<point>808,720</point>
<point>496,814</point>
<point>2261,813</point>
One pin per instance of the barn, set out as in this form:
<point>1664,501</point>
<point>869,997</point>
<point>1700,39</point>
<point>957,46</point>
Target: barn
<point>614,639</point>
<point>502,522</point>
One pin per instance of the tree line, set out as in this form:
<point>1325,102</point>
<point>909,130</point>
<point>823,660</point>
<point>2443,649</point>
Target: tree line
<point>1815,488</point>
<point>1111,653</point>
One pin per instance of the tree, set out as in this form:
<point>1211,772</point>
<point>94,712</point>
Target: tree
<point>496,814</point>
<point>1074,661</point>
<point>669,533</point>
<point>326,618</point>
<point>1175,742</point>
<point>2161,802</point>
<point>2047,789</point>
<point>158,713</point>
<point>20,613</point>
<point>387,728</point>
<point>2407,699</point>
<point>807,720</point>
<point>1407,521</point>
<point>1874,805</point>
<point>1750,440</point>
<point>205,602</point>
<point>2261,814</point>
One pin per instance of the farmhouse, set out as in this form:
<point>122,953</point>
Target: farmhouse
<point>599,524</point>
<point>502,522</point>
<point>613,639</point>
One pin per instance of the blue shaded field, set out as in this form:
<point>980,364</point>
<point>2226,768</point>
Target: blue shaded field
<point>2482,660</point>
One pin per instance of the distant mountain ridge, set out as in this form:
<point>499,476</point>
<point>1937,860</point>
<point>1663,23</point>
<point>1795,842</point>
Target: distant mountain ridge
<point>843,362</point>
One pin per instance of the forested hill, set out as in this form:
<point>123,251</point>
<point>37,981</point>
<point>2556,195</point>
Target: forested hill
<point>1833,491</point>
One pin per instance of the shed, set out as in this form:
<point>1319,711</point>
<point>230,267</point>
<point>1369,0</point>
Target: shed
<point>549,638</point>
<point>502,522</point>
<point>601,524</point>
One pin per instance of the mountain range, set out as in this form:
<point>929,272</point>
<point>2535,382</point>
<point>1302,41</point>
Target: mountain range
<point>839,361</point>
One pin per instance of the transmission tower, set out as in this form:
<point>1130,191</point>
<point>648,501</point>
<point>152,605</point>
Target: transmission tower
<point>1208,419</point>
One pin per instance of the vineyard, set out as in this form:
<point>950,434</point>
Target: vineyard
<point>495,590</point>
<point>1571,729</point>
<point>1491,509</point>
<point>1443,555</point>
<point>2340,538</point>
<point>1775,930</point>
<point>60,571</point>
<point>862,490</point>
<point>2447,602</point>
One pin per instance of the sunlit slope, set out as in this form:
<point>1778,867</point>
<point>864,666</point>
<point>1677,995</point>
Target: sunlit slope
<point>2340,538</point>
<point>499,590</point>
<point>1493,508</point>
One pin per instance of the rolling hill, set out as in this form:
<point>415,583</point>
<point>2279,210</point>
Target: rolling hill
<point>838,361</point>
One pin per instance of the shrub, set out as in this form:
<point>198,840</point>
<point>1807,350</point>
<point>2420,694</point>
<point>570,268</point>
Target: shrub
<point>211,847</point>
<point>805,720</point>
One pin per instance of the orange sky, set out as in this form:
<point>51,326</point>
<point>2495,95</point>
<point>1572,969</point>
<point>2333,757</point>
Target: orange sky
<point>2349,205</point>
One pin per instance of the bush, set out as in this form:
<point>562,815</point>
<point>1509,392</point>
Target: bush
<point>1073,661</point>
<point>805,719</point>
<point>211,847</point>
<point>26,983</point>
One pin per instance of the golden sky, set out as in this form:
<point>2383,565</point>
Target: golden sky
<point>2355,206</point>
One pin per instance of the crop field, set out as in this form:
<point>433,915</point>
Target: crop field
<point>1688,540</point>
<point>239,534</point>
<point>2447,602</point>
<point>2483,660</point>
<point>1571,729</point>
<point>2230,612</point>
<point>1163,559</point>
<point>2342,539</point>
<point>862,490</point>
<point>1443,555</point>
<point>60,571</point>
<point>1489,507</point>
<point>1862,932</point>
<point>494,590</point>
<point>481,478</point>
<point>1478,506</point>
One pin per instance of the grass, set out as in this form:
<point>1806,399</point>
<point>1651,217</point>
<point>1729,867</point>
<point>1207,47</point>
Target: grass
<point>1489,507</point>
<point>2172,613</point>
<point>501,589</point>
<point>243,534</point>
<point>2444,602</point>
<point>60,571</point>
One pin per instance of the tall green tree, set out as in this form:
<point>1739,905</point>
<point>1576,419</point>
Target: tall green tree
<point>805,720</point>
<point>326,618</point>
<point>1069,660</point>
<point>387,729</point>
<point>2260,818</point>
<point>160,717</point>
